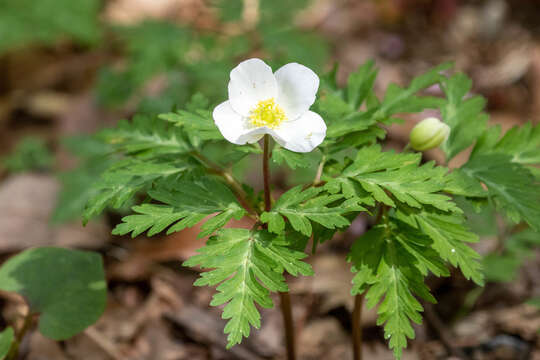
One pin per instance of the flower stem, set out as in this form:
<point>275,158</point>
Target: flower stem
<point>357,327</point>
<point>286,311</point>
<point>285,298</point>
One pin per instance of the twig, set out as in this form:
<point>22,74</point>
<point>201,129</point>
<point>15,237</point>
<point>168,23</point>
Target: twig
<point>104,343</point>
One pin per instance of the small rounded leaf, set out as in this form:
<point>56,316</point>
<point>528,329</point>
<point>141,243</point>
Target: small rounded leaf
<point>65,287</point>
<point>6,338</point>
<point>428,134</point>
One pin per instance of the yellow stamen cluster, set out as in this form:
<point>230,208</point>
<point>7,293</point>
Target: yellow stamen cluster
<point>267,113</point>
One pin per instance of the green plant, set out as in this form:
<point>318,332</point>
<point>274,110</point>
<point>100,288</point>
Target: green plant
<point>419,229</point>
<point>29,154</point>
<point>65,288</point>
<point>55,19</point>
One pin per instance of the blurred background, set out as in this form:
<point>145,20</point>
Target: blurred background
<point>69,68</point>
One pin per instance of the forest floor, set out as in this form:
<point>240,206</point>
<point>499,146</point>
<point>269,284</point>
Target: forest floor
<point>155,313</point>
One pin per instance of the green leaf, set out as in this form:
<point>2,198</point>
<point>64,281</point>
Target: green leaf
<point>503,266</point>
<point>347,126</point>
<point>125,178</point>
<point>450,238</point>
<point>29,154</point>
<point>459,183</point>
<point>401,100</point>
<point>150,48</point>
<point>146,137</point>
<point>65,287</point>
<point>386,173</point>
<point>510,185</point>
<point>464,116</point>
<point>302,207</point>
<point>522,143</point>
<point>293,159</point>
<point>55,19</point>
<point>391,261</point>
<point>198,124</point>
<point>360,83</point>
<point>183,203</point>
<point>6,338</point>
<point>247,265</point>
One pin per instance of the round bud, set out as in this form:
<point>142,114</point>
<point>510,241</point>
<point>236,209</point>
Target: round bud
<point>428,134</point>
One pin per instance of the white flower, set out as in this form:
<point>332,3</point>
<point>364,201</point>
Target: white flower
<point>261,102</point>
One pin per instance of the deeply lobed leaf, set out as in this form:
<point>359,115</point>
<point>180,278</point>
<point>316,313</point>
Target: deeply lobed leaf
<point>247,265</point>
<point>303,207</point>
<point>183,203</point>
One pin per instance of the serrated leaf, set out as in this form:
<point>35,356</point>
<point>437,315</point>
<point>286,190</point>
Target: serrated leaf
<point>510,185</point>
<point>146,137</point>
<point>459,183</point>
<point>400,100</point>
<point>386,173</point>
<point>183,203</point>
<point>198,124</point>
<point>522,143</point>
<point>124,179</point>
<point>247,265</point>
<point>293,159</point>
<point>450,239</point>
<point>391,261</point>
<point>302,207</point>
<point>464,116</point>
<point>65,287</point>
<point>360,83</point>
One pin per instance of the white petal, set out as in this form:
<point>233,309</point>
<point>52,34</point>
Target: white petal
<point>233,126</point>
<point>251,81</point>
<point>297,87</point>
<point>301,135</point>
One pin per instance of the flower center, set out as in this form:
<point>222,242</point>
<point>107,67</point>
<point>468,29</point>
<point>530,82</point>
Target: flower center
<point>267,113</point>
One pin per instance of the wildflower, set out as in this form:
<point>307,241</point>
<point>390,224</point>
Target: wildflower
<point>261,102</point>
<point>428,134</point>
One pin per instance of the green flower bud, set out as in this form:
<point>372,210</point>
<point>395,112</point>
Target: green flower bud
<point>428,134</point>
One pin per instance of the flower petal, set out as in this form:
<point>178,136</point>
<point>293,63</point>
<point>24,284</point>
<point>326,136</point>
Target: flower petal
<point>297,87</point>
<point>251,81</point>
<point>233,126</point>
<point>301,135</point>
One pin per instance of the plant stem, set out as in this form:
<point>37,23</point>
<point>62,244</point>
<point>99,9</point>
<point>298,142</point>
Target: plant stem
<point>285,298</point>
<point>286,311</point>
<point>229,178</point>
<point>357,327</point>
<point>27,324</point>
